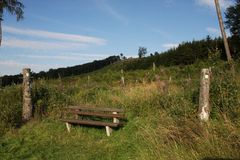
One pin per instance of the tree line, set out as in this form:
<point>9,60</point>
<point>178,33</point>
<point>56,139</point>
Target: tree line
<point>61,72</point>
<point>187,53</point>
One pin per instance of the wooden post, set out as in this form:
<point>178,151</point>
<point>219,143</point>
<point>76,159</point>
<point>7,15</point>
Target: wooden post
<point>154,67</point>
<point>27,101</point>
<point>108,130</point>
<point>115,120</point>
<point>204,106</point>
<point>76,115</point>
<point>122,79</point>
<point>219,14</point>
<point>68,125</point>
<point>88,79</point>
<point>170,79</point>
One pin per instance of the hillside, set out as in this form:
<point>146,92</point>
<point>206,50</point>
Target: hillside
<point>160,125</point>
<point>186,53</point>
<point>61,72</point>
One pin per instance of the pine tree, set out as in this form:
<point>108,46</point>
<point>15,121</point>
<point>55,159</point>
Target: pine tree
<point>232,15</point>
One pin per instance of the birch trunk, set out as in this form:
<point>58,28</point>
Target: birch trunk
<point>204,106</point>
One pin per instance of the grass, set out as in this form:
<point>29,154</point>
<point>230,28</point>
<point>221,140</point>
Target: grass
<point>160,126</point>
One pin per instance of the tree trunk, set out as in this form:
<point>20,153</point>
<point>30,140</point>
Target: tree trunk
<point>204,106</point>
<point>27,101</point>
<point>219,14</point>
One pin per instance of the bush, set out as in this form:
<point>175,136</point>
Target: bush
<point>224,94</point>
<point>11,108</point>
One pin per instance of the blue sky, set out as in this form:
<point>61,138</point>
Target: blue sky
<point>60,33</point>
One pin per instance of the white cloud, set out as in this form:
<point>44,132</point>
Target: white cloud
<point>170,45</point>
<point>14,64</point>
<point>212,30</point>
<point>11,63</point>
<point>55,35</point>
<point>210,3</point>
<point>59,57</point>
<point>39,45</point>
<point>66,57</point>
<point>105,6</point>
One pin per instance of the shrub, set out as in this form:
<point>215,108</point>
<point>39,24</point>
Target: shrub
<point>11,108</point>
<point>224,94</point>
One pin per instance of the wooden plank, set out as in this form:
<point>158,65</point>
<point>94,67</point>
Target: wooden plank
<point>104,115</point>
<point>92,123</point>
<point>96,109</point>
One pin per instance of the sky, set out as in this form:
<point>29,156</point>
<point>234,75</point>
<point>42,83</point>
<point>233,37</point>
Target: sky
<point>60,33</point>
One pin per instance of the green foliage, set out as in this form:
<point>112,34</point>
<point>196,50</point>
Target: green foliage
<point>233,18</point>
<point>14,7</point>
<point>233,23</point>
<point>40,98</point>
<point>225,94</point>
<point>159,126</point>
<point>11,108</point>
<point>62,72</point>
<point>214,55</point>
<point>142,51</point>
<point>185,54</point>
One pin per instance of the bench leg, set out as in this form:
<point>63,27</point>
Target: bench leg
<point>115,120</point>
<point>108,131</point>
<point>68,125</point>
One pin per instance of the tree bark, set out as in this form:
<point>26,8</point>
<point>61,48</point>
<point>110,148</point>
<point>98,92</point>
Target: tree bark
<point>219,14</point>
<point>204,106</point>
<point>27,101</point>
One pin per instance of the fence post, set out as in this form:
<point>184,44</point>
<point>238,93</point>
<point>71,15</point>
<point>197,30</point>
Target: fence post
<point>170,79</point>
<point>27,101</point>
<point>88,80</point>
<point>204,106</point>
<point>122,78</point>
<point>154,67</point>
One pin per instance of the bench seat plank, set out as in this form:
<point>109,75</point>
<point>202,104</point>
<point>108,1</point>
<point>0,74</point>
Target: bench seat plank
<point>96,109</point>
<point>92,123</point>
<point>104,115</point>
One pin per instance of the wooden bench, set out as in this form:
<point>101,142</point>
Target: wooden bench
<point>90,116</point>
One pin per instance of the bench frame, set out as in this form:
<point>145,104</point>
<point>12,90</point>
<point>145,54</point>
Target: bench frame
<point>76,111</point>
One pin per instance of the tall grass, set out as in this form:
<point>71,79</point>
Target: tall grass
<point>160,126</point>
<point>10,106</point>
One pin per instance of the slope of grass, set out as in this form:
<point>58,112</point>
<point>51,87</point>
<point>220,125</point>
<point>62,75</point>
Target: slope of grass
<point>160,126</point>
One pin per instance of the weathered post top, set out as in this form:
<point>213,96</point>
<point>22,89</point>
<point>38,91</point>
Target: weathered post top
<point>26,72</point>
